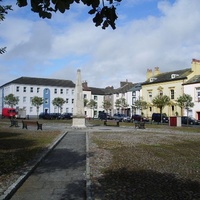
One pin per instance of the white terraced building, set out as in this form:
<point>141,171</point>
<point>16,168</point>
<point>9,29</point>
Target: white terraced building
<point>25,88</point>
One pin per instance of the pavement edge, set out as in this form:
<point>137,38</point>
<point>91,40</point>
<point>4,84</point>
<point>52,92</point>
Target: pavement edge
<point>88,179</point>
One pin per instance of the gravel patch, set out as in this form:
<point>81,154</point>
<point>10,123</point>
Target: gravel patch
<point>141,179</point>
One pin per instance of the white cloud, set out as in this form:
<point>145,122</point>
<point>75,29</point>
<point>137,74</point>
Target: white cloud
<point>58,48</point>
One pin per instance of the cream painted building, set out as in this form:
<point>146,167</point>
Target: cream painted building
<point>170,84</point>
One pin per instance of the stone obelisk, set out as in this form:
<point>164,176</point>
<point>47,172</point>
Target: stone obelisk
<point>78,111</point>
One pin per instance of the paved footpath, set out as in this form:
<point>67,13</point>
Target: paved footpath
<point>61,175</point>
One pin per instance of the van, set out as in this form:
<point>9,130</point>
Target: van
<point>9,112</point>
<point>156,117</point>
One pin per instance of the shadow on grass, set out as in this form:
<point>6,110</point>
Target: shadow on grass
<point>8,134</point>
<point>12,144</point>
<point>144,184</point>
<point>15,151</point>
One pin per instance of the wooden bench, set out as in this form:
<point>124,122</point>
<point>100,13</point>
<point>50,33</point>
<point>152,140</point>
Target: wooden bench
<point>140,125</point>
<point>31,123</point>
<point>106,122</point>
<point>14,122</point>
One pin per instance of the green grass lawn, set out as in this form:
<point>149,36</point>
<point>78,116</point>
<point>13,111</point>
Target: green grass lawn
<point>18,147</point>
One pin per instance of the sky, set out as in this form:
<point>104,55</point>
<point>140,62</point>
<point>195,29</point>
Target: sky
<point>149,34</point>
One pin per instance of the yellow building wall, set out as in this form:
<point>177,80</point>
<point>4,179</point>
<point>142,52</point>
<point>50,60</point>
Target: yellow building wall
<point>176,85</point>
<point>166,88</point>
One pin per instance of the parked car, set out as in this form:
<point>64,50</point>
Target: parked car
<point>44,115</point>
<point>126,118</point>
<point>55,115</point>
<point>118,117</point>
<point>102,115</point>
<point>109,117</point>
<point>189,120</point>
<point>137,117</point>
<point>67,116</point>
<point>156,117</point>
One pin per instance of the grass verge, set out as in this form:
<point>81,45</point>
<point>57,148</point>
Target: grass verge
<point>18,148</point>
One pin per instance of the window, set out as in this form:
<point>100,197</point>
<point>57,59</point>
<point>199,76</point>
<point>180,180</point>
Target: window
<point>72,100</point>
<point>150,109</point>
<point>134,94</point>
<point>31,89</point>
<point>31,98</point>
<point>172,94</point>
<point>17,89</point>
<point>24,99</point>
<point>67,100</point>
<point>38,90</point>
<point>85,96</point>
<point>95,113</point>
<point>67,91</point>
<point>24,89</point>
<point>67,110</point>
<point>72,91</point>
<point>150,96</point>
<point>46,101</point>
<point>61,91</point>
<point>46,91</point>
<point>133,99</point>
<point>31,109</point>
<point>55,91</point>
<point>197,94</point>
<point>172,108</point>
<point>95,98</point>
<point>161,93</point>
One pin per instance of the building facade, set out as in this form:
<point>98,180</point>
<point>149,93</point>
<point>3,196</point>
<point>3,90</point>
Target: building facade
<point>173,84</point>
<point>25,88</point>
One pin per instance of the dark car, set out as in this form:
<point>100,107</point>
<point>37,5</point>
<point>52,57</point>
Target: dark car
<point>44,115</point>
<point>156,117</point>
<point>55,115</point>
<point>102,115</point>
<point>118,117</point>
<point>66,116</point>
<point>137,117</point>
<point>189,120</point>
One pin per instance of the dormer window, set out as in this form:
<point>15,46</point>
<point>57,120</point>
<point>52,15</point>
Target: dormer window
<point>174,75</point>
<point>152,79</point>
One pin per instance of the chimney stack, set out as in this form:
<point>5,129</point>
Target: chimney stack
<point>149,73</point>
<point>156,71</point>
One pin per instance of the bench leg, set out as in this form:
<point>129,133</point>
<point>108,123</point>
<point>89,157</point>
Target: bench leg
<point>24,126</point>
<point>16,124</point>
<point>39,127</point>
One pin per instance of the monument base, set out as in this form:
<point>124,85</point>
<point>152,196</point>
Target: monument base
<point>78,122</point>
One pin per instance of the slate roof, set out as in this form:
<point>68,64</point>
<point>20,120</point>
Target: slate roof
<point>42,81</point>
<point>97,91</point>
<point>124,88</point>
<point>136,87</point>
<point>166,77</point>
<point>193,80</point>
